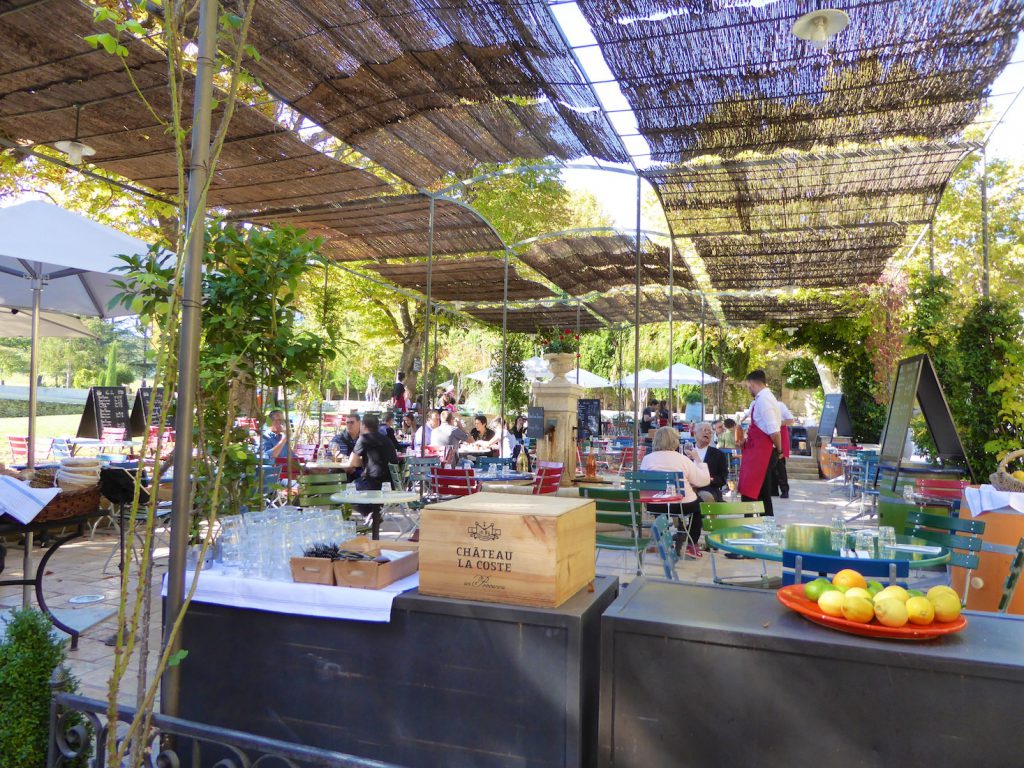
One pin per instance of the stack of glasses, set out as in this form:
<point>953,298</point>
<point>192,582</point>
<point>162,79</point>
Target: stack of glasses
<point>263,543</point>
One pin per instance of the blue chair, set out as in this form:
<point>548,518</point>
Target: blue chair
<point>662,535</point>
<point>654,480</point>
<point>801,567</point>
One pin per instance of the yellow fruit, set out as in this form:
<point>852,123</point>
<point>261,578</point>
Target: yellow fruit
<point>831,602</point>
<point>1019,474</point>
<point>947,607</point>
<point>920,610</point>
<point>891,611</point>
<point>942,590</point>
<point>895,591</point>
<point>849,578</point>
<point>857,608</point>
<point>858,592</point>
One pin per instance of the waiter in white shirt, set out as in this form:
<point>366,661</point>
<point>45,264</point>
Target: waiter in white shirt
<point>763,444</point>
<point>781,483</point>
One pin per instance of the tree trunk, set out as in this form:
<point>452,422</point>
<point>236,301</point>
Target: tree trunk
<point>412,345</point>
<point>829,382</point>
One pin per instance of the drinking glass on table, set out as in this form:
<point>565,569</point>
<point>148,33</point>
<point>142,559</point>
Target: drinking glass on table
<point>771,533</point>
<point>886,540</point>
<point>838,532</point>
<point>385,487</point>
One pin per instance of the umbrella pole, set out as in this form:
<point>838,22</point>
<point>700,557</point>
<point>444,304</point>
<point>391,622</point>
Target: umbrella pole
<point>188,345</point>
<point>33,398</point>
<point>504,349</point>
<point>426,328</point>
<point>577,336</point>
<point>671,333</point>
<point>702,362</point>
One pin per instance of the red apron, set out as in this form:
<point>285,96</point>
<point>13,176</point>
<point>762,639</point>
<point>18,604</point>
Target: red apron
<point>784,432</point>
<point>757,453</point>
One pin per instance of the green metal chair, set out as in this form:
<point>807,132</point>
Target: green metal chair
<point>725,515</point>
<point>961,536</point>
<point>621,508</point>
<point>315,489</point>
<point>656,480</point>
<point>1010,586</point>
<point>661,531</point>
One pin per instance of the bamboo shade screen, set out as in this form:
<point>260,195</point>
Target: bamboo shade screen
<point>478,278</point>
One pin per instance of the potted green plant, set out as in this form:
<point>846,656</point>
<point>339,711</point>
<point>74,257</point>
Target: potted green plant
<point>561,350</point>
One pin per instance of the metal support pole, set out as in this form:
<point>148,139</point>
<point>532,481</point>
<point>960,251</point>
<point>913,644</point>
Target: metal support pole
<point>984,223</point>
<point>703,308</point>
<point>636,340</point>
<point>504,347</point>
<point>33,405</point>
<point>931,247</point>
<point>323,374</point>
<point>188,347</point>
<point>426,326</point>
<point>577,336</point>
<point>671,332</point>
<point>622,404</point>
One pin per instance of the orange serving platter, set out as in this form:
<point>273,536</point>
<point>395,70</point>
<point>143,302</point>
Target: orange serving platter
<point>793,598</point>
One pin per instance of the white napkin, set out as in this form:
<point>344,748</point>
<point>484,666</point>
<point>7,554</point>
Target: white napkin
<point>21,501</point>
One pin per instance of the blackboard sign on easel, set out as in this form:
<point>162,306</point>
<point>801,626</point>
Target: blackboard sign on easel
<point>588,418</point>
<point>145,398</point>
<point>835,419</point>
<point>917,383</point>
<point>535,423</point>
<point>105,408</point>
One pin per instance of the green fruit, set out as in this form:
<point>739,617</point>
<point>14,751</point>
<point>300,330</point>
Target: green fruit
<point>915,593</point>
<point>874,588</point>
<point>814,589</point>
<point>842,587</point>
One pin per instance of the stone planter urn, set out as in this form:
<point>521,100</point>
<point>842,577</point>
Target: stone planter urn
<point>560,363</point>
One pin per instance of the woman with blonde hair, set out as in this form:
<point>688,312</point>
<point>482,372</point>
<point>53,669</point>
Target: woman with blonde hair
<point>665,457</point>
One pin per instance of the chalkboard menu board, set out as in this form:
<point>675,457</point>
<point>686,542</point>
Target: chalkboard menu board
<point>694,412</point>
<point>535,423</point>
<point>835,418</point>
<point>901,409</point>
<point>588,418</point>
<point>144,400</point>
<point>105,408</point>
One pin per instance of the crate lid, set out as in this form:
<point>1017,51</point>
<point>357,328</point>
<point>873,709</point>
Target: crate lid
<point>512,504</point>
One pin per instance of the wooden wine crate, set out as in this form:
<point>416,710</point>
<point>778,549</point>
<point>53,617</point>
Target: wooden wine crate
<point>504,548</point>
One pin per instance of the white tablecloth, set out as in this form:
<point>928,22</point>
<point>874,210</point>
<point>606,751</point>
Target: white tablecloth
<point>221,587</point>
<point>988,499</point>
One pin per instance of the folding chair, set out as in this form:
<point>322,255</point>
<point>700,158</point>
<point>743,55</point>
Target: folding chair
<point>417,473</point>
<point>801,567</point>
<point>1012,578</point>
<point>315,489</point>
<point>721,516</point>
<point>547,480</point>
<point>962,537</point>
<point>61,448</point>
<point>656,480</point>
<point>661,532</point>
<point>447,483</point>
<point>618,511</point>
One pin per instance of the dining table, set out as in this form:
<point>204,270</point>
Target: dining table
<point>750,541</point>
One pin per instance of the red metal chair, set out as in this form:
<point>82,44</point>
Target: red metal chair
<point>547,481</point>
<point>549,465</point>
<point>166,443</point>
<point>306,452</point>
<point>940,488</point>
<point>19,449</point>
<point>112,434</point>
<point>447,483</point>
<point>626,462</point>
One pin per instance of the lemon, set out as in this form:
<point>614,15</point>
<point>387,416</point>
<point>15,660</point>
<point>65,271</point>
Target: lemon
<point>947,607</point>
<point>891,611</point>
<point>814,589</point>
<point>1019,474</point>
<point>874,588</point>
<point>941,590</point>
<point>849,578</point>
<point>920,610</point>
<point>858,592</point>
<point>894,591</point>
<point>831,602</point>
<point>857,608</point>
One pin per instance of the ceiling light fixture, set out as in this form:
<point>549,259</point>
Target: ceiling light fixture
<point>818,27</point>
<point>75,149</point>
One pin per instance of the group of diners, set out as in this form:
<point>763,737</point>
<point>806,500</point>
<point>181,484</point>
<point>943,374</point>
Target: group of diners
<point>444,434</point>
<point>705,470</point>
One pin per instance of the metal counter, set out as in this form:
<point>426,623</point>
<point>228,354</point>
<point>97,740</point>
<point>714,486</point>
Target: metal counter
<point>695,675</point>
<point>446,683</point>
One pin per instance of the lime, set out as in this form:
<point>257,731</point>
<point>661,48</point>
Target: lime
<point>841,587</point>
<point>814,589</point>
<point>874,588</point>
<point>915,593</point>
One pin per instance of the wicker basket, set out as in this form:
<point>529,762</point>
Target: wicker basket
<point>66,503</point>
<point>1003,480</point>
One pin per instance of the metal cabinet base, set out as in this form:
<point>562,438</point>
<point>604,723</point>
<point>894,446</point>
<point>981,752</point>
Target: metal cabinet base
<point>446,683</point>
<point>715,676</point>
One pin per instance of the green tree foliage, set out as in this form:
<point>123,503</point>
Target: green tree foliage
<point>801,373</point>
<point>110,377</point>
<point>517,389</point>
<point>29,654</point>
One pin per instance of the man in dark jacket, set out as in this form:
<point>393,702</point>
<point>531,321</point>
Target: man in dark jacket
<point>373,452</point>
<point>718,463</point>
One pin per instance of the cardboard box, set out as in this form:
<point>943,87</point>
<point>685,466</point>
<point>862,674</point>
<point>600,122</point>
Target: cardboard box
<point>312,570</point>
<point>366,574</point>
<point>504,548</point>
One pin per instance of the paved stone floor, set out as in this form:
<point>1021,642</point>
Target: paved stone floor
<point>77,569</point>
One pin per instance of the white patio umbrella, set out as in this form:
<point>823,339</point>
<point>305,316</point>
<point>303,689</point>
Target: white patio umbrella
<point>646,374</point>
<point>681,374</point>
<point>16,322</point>
<point>53,259</point>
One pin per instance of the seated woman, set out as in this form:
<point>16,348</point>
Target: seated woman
<point>665,457</point>
<point>482,435</point>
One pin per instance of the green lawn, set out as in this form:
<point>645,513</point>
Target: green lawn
<point>47,426</point>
